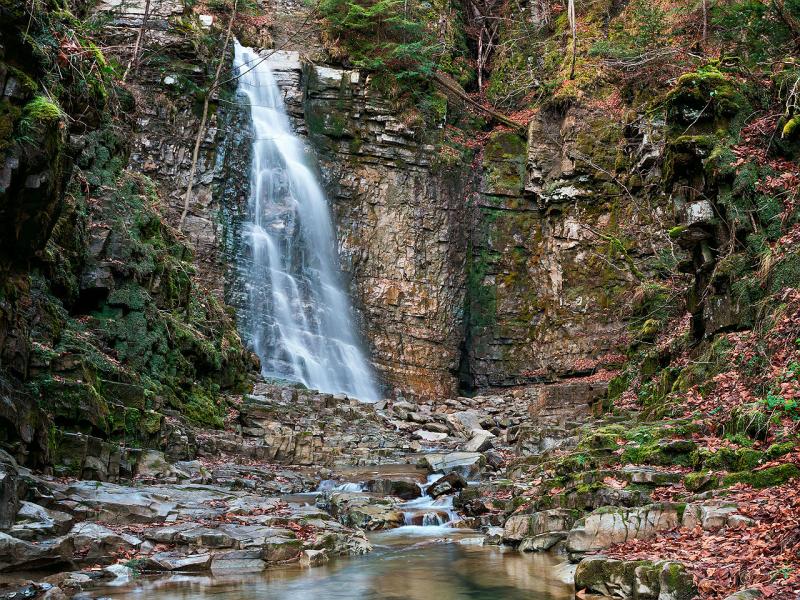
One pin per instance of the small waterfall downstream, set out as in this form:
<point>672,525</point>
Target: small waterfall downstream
<point>297,319</point>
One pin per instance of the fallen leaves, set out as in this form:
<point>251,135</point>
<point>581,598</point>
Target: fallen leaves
<point>764,555</point>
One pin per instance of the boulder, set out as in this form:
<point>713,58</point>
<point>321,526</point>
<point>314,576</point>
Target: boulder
<point>635,579</point>
<point>35,522</point>
<point>98,543</point>
<point>614,525</point>
<point>448,484</point>
<point>401,488</point>
<point>541,542</point>
<point>313,558</point>
<point>362,511</point>
<point>493,536</point>
<point>464,422</point>
<point>112,503</point>
<point>153,464</point>
<point>710,515</point>
<point>18,554</point>
<point>518,527</point>
<point>480,441</point>
<point>9,500</point>
<point>468,464</point>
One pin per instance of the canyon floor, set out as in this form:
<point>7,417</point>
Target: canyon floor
<point>299,480</point>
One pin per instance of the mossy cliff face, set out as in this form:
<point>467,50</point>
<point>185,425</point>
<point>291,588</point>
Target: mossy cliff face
<point>102,327</point>
<point>561,236</point>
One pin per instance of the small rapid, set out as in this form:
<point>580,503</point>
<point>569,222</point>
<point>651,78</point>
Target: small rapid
<point>427,511</point>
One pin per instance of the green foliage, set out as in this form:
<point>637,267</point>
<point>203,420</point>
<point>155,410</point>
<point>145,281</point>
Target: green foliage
<point>789,407</point>
<point>751,30</point>
<point>382,35</point>
<point>647,29</point>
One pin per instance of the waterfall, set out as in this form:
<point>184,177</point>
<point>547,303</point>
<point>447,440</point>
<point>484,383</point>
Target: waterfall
<point>297,318</point>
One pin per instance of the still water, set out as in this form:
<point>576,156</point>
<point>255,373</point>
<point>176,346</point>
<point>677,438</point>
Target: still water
<point>410,563</point>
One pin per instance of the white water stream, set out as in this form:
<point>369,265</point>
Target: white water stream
<point>298,318</point>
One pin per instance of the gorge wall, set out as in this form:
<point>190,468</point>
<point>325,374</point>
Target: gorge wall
<point>508,267</point>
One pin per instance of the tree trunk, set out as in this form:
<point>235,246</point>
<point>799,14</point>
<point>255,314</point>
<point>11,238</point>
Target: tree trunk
<point>573,23</point>
<point>134,61</point>
<point>201,131</point>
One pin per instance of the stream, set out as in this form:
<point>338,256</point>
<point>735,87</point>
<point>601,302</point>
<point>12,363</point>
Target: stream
<point>430,557</point>
<point>412,563</point>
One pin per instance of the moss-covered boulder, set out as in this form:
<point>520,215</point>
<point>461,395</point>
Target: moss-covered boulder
<point>667,580</point>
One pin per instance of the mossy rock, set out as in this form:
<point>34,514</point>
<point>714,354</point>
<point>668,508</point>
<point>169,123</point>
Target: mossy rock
<point>504,159</point>
<point>704,96</point>
<point>750,420</point>
<point>727,459</point>
<point>779,449</point>
<point>701,481</point>
<point>763,479</point>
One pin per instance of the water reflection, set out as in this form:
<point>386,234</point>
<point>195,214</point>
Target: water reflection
<point>401,567</point>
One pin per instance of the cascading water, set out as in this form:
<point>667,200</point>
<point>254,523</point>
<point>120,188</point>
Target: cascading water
<point>426,511</point>
<point>298,319</point>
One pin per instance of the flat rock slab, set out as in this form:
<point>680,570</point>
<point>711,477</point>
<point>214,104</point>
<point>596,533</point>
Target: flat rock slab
<point>468,464</point>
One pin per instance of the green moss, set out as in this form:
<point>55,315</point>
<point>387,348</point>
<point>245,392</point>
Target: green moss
<point>706,95</point>
<point>766,478</point>
<point>779,449</point>
<point>728,459</point>
<point>39,114</point>
<point>699,482</point>
<point>203,408</point>
<point>750,420</point>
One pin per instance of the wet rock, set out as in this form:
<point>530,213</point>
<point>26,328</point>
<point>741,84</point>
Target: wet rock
<point>176,561</point>
<point>364,512</point>
<point>493,537</point>
<point>114,503</point>
<point>541,542</point>
<point>613,525</point>
<point>97,543</point>
<point>401,488</point>
<point>313,558</point>
<point>19,555</point>
<point>35,522</point>
<point>237,561</point>
<point>9,501</point>
<point>449,484</point>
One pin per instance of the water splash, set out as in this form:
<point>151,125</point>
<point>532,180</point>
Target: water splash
<point>297,319</point>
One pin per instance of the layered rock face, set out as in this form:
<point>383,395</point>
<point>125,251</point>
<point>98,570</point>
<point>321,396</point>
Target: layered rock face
<point>514,272</point>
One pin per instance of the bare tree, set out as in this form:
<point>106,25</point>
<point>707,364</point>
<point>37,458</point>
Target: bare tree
<point>573,24</point>
<point>134,61</point>
<point>484,21</point>
<point>202,129</point>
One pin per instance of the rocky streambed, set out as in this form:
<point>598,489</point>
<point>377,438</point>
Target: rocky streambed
<point>311,494</point>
